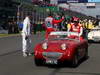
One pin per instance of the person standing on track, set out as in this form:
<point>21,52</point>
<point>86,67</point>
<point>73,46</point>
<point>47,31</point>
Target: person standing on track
<point>26,41</point>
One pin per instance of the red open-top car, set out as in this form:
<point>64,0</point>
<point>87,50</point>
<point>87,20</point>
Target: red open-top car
<point>60,47</point>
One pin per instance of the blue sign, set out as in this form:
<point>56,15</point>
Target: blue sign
<point>93,0</point>
<point>77,1</point>
<point>73,1</point>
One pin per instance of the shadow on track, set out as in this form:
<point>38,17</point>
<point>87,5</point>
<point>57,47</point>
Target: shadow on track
<point>93,42</point>
<point>65,64</point>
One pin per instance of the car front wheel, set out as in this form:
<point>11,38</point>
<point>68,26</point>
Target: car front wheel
<point>75,61</point>
<point>38,62</point>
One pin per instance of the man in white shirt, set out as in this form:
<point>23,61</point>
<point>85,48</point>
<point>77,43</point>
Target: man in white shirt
<point>26,41</point>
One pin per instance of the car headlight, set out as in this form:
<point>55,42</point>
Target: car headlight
<point>44,45</point>
<point>63,46</point>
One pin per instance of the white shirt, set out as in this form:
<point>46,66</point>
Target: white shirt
<point>26,27</point>
<point>49,20</point>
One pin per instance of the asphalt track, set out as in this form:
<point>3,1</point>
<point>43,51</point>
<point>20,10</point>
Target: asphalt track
<point>13,63</point>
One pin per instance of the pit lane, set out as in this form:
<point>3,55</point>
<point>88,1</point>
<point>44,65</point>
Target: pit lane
<point>13,63</point>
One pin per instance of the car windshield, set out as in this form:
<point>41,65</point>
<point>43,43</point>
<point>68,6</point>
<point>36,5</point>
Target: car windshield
<point>95,30</point>
<point>61,37</point>
<point>57,37</point>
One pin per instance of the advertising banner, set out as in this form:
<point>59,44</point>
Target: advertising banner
<point>72,1</point>
<point>62,1</point>
<point>77,1</point>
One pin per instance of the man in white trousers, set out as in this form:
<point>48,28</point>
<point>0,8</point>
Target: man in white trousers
<point>26,41</point>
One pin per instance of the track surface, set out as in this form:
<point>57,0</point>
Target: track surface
<point>13,63</point>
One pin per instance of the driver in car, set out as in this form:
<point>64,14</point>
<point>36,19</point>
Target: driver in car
<point>75,26</point>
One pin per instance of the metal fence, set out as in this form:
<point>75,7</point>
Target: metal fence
<point>38,13</point>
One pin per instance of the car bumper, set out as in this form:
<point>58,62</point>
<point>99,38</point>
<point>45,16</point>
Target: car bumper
<point>96,39</point>
<point>54,56</point>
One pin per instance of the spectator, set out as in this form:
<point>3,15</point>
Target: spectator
<point>15,27</point>
<point>10,27</point>
<point>34,28</point>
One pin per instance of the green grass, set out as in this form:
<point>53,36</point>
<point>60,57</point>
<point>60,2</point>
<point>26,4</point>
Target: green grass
<point>6,35</point>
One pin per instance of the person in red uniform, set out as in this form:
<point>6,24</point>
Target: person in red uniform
<point>49,22</point>
<point>75,26</point>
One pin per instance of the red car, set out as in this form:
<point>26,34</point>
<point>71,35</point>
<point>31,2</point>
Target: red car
<point>60,47</point>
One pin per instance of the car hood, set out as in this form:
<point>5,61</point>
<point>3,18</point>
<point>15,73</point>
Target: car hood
<point>93,33</point>
<point>56,44</point>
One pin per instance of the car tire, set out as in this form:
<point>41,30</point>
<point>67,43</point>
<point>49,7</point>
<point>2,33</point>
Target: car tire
<point>38,62</point>
<point>75,61</point>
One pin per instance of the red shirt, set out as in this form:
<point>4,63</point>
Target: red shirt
<point>75,28</point>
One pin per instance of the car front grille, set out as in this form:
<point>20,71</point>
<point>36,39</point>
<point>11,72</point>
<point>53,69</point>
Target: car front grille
<point>52,55</point>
